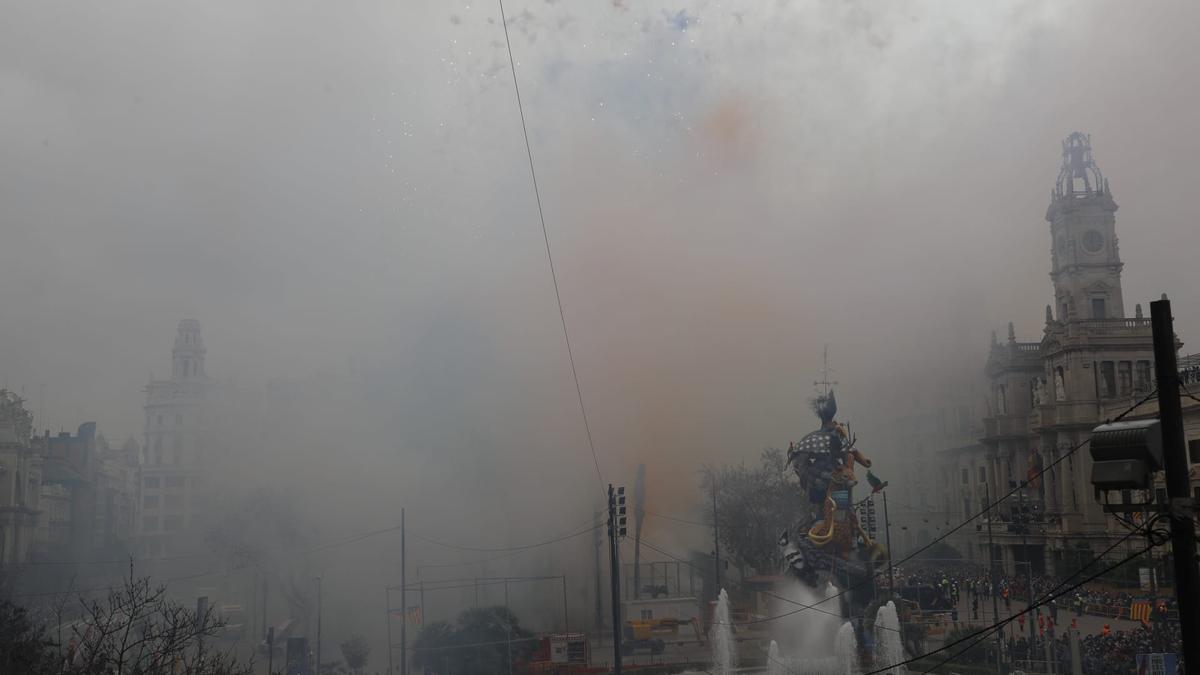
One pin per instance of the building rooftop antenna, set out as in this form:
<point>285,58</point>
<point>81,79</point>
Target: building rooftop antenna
<point>825,383</point>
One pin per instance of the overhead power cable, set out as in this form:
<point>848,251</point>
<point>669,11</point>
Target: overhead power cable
<point>1095,559</point>
<point>1003,622</point>
<point>676,519</point>
<point>549,254</point>
<point>1070,451</point>
<point>681,561</point>
<point>524,547</point>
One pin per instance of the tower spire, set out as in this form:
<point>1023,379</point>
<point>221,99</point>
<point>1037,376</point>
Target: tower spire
<point>1085,264</point>
<point>187,357</point>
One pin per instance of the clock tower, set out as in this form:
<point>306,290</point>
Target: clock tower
<point>1085,261</point>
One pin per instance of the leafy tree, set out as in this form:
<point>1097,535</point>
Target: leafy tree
<point>355,651</point>
<point>482,640</point>
<point>754,505</point>
<point>24,647</point>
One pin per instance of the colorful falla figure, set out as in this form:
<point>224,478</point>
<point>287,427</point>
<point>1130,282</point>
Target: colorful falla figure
<point>827,539</point>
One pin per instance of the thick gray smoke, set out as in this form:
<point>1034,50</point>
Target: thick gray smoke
<point>339,193</point>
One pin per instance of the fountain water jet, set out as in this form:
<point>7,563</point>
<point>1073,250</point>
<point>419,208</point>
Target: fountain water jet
<point>724,649</point>
<point>846,650</point>
<point>775,663</point>
<point>889,648</point>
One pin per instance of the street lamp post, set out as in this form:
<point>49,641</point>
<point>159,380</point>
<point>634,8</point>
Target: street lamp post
<point>887,528</point>
<point>317,670</point>
<point>992,586</point>
<point>1028,565</point>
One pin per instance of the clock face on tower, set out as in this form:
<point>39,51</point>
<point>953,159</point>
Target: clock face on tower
<point>1093,241</point>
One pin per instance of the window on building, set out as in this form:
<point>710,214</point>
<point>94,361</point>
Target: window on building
<point>173,501</point>
<point>964,418</point>
<point>1160,495</point>
<point>1194,451</point>
<point>647,614</point>
<point>1141,380</point>
<point>1108,380</point>
<point>149,523</point>
<point>1098,309</point>
<point>983,474</point>
<point>173,481</point>
<point>150,502</point>
<point>172,523</point>
<point>966,504</point>
<point>1125,378</point>
<point>966,476</point>
<point>1065,313</point>
<point>150,483</point>
<point>1001,400</point>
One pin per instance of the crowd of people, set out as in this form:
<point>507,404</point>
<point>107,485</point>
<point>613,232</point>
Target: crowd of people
<point>951,585</point>
<point>963,597</point>
<point>1116,651</point>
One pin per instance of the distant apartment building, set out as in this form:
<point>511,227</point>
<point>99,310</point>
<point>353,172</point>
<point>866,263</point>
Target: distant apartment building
<point>88,495</point>
<point>172,486</point>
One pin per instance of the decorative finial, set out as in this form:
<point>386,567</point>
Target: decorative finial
<point>1012,333</point>
<point>1078,165</point>
<point>1050,314</point>
<point>1137,310</point>
<point>823,385</point>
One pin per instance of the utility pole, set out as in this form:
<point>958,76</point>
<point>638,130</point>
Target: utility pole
<point>1175,463</point>
<point>264,605</point>
<point>507,629</point>
<point>716,543</point>
<point>992,586</point>
<point>566,617</point>
<point>887,528</point>
<point>1028,566</point>
<point>403,601</point>
<point>599,595</point>
<point>616,528</point>
<point>387,602</point>
<point>318,669</point>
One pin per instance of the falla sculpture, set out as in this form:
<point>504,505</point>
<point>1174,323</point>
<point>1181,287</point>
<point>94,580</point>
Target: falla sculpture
<point>826,543</point>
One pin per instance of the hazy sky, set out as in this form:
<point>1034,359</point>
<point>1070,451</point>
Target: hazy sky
<point>339,192</point>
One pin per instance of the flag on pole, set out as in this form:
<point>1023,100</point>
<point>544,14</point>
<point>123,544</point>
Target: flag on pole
<point>412,616</point>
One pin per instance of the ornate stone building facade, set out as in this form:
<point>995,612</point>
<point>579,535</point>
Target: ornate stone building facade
<point>177,419</point>
<point>20,481</point>
<point>1044,397</point>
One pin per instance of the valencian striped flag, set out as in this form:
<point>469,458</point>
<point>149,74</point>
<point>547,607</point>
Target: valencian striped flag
<point>413,617</point>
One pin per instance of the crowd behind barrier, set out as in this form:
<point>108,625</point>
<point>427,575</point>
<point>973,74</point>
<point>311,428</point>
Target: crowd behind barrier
<point>1109,651</point>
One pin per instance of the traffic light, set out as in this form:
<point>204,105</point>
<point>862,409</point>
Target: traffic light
<point>1126,455</point>
<point>617,506</point>
<point>621,511</point>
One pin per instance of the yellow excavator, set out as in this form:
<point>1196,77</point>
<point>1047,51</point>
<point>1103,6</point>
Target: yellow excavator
<point>642,634</point>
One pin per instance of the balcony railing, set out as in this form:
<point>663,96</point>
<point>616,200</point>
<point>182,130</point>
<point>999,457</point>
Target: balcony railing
<point>1110,327</point>
<point>1006,425</point>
